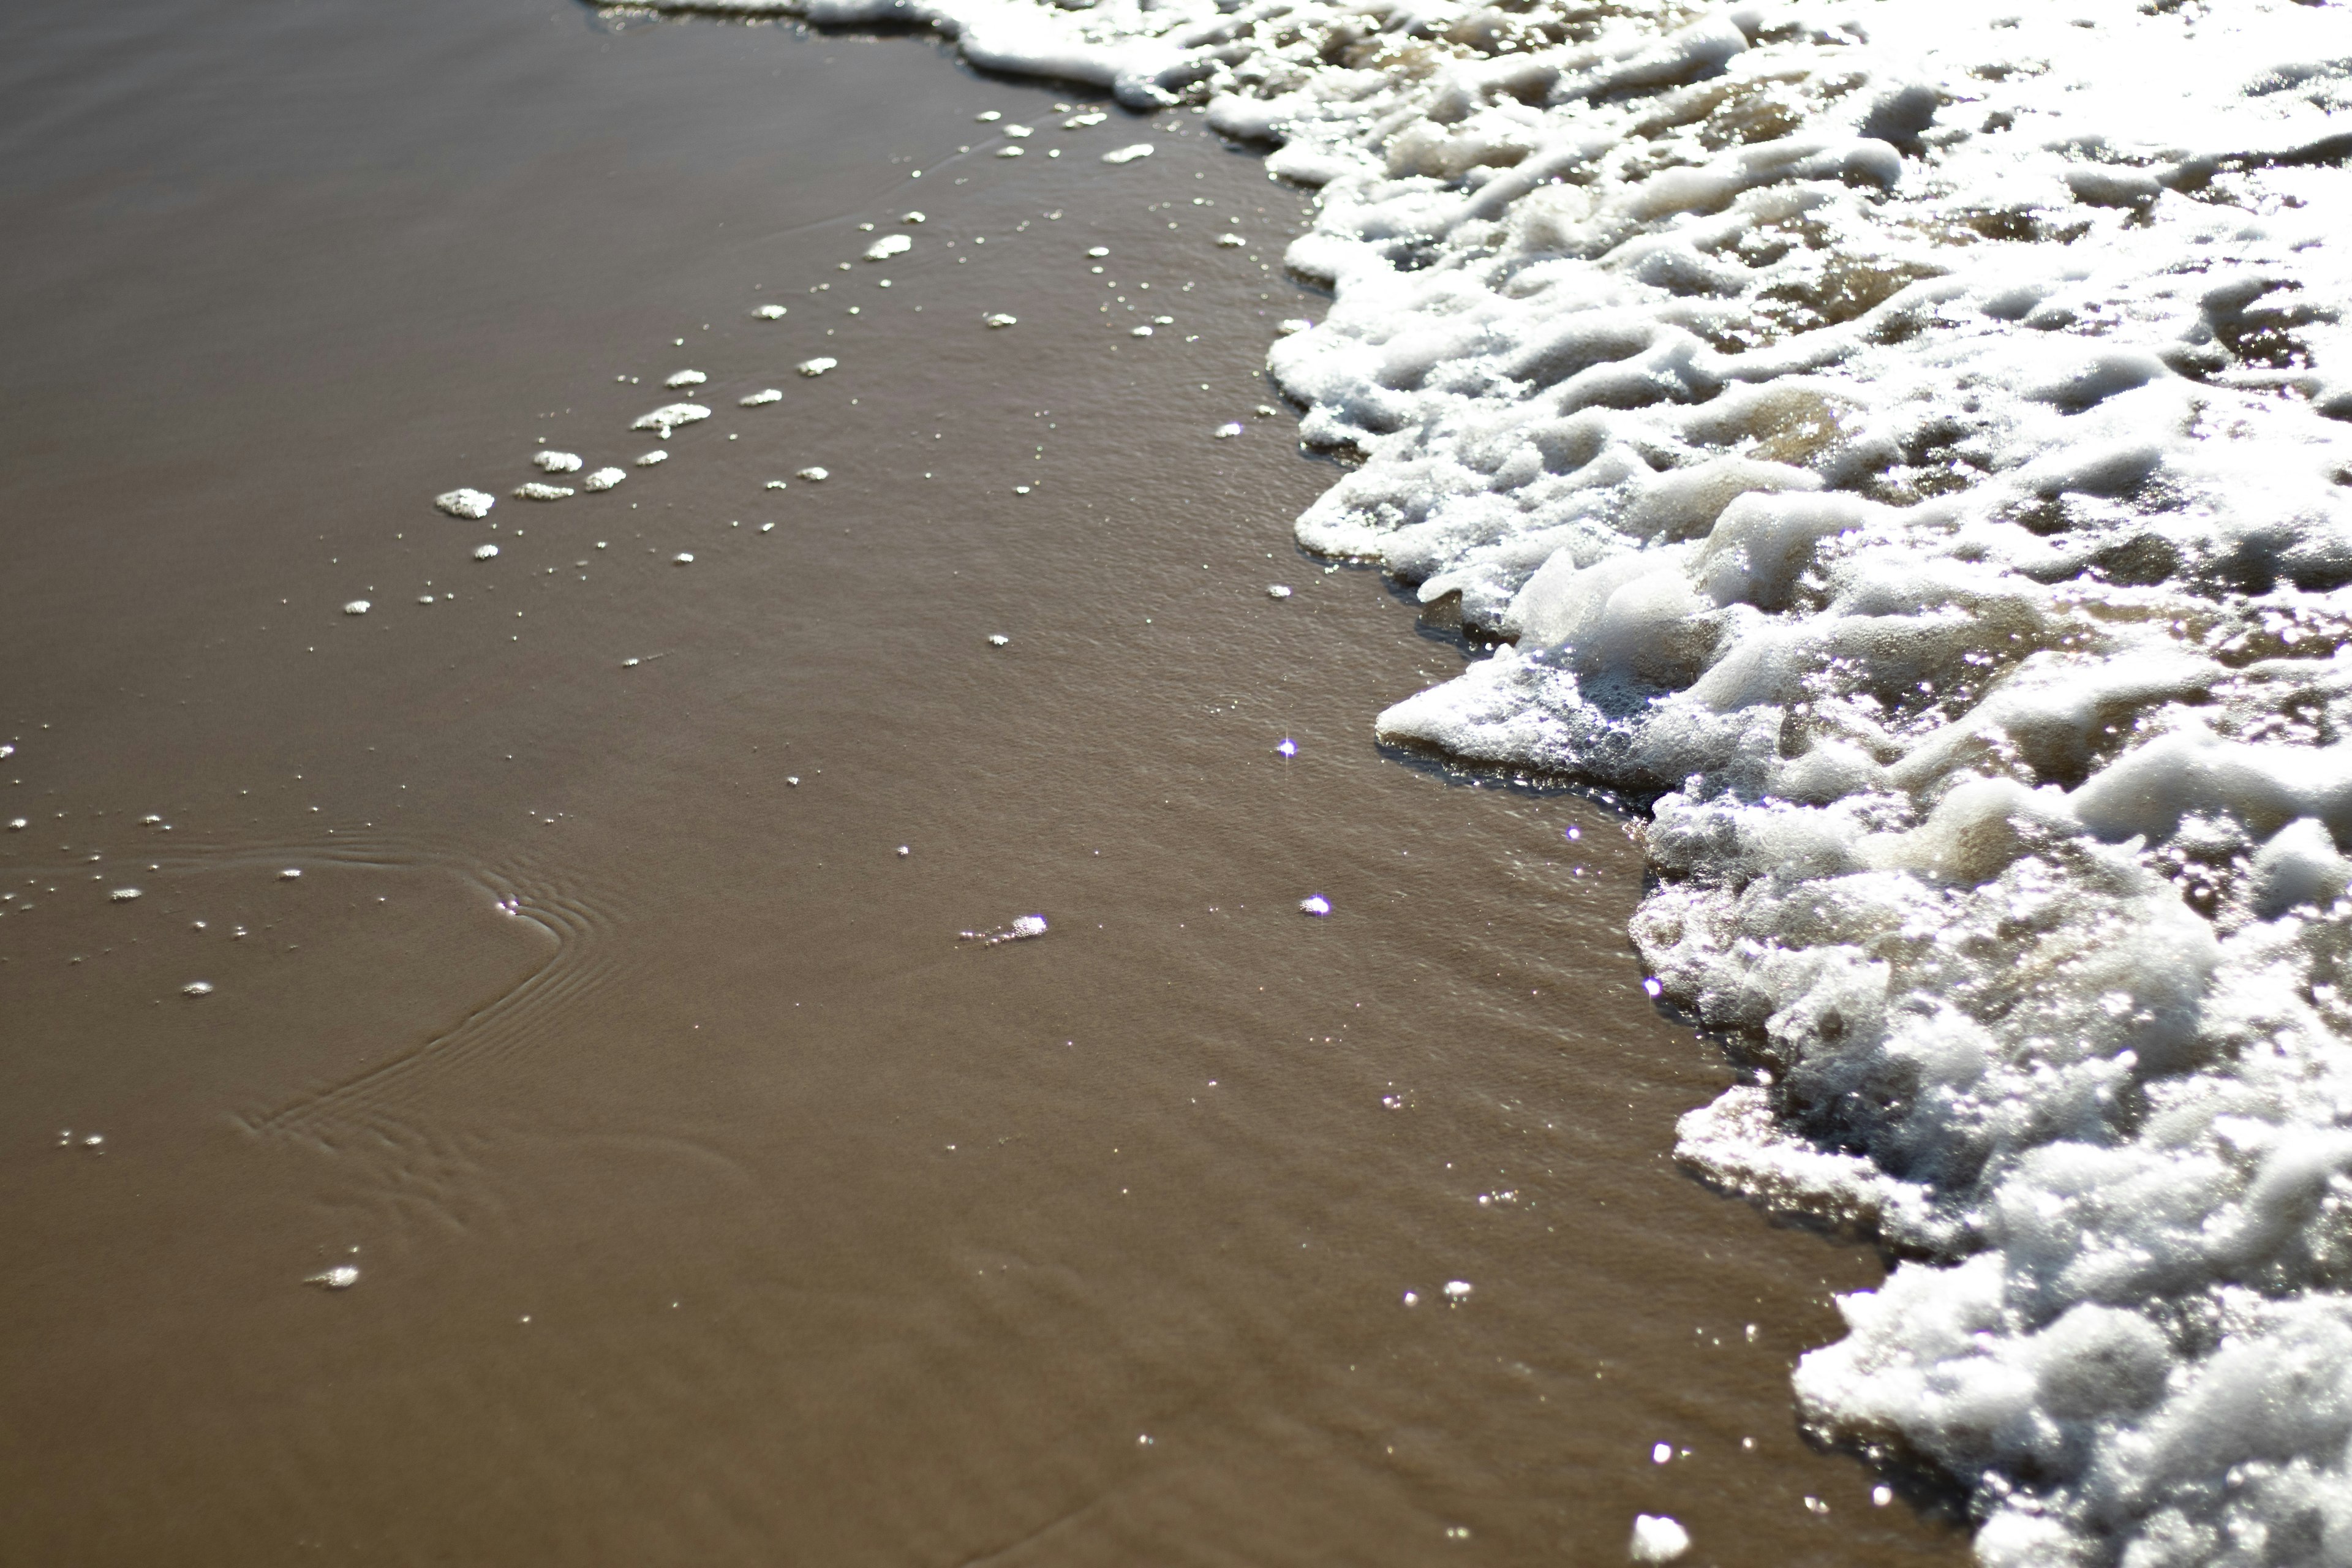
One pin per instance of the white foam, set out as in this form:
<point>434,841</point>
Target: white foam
<point>669,416</point>
<point>814,476</point>
<point>648,459</point>
<point>769,313</point>
<point>816,366</point>
<point>888,245</point>
<point>466,503</point>
<point>1127,155</point>
<point>1658,1538</point>
<point>486,551</point>
<point>357,607</point>
<point>678,378</point>
<point>535,491</point>
<point>999,319</point>
<point>553,462</point>
<point>760,398</point>
<point>606,479</point>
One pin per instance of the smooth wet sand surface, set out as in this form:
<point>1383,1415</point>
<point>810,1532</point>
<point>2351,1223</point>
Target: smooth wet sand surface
<point>711,1201</point>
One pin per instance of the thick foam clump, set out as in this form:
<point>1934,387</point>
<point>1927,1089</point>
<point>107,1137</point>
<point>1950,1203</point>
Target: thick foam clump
<point>1908,443</point>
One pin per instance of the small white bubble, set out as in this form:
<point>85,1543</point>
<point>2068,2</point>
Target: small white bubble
<point>1315,904</point>
<point>1287,746</point>
<point>813,476</point>
<point>1231,240</point>
<point>685,378</point>
<point>1652,987</point>
<point>291,874</point>
<point>904,851</point>
<point>816,366</point>
<point>555,462</point>
<point>683,558</point>
<point>123,895</point>
<point>1138,331</point>
<point>999,319</point>
<point>910,217</point>
<point>1277,591</point>
<point>988,116</point>
<point>1294,324</point>
<point>604,478</point>
<point>1661,1452</point>
<point>1100,251</point>
<point>342,1276</point>
<point>998,640</point>
<point>17,825</point>
<point>537,492</point>
<point>1129,154</point>
<point>760,398</point>
<point>793,780</point>
<point>1228,430</point>
<point>357,607</point>
<point>465,503</point>
<point>1412,1297</point>
<point>649,458</point>
<point>484,551</point>
<point>1457,1289</point>
<point>1881,1495</point>
<point>769,313</point>
<point>1658,1539</point>
<point>197,988</point>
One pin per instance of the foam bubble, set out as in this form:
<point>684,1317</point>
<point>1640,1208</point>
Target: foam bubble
<point>1277,591</point>
<point>535,491</point>
<point>683,558</point>
<point>816,366</point>
<point>465,503</point>
<point>1315,904</point>
<point>680,378</point>
<point>123,895</point>
<point>197,988</point>
<point>357,607</point>
<point>760,398</point>
<point>1129,153</point>
<point>647,460</point>
<point>814,476</point>
<point>555,462</point>
<point>1658,1538</point>
<point>999,319</point>
<point>605,479</point>
<point>486,551</point>
<point>342,1276</point>
<point>669,416</point>
<point>769,313</point>
<point>888,245</point>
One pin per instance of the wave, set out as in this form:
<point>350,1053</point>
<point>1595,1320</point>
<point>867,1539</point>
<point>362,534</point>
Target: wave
<point>1906,443</point>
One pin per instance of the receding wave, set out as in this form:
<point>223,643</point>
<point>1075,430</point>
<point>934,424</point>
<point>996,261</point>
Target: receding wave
<point>1906,442</point>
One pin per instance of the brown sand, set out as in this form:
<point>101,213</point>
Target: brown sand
<point>716,1205</point>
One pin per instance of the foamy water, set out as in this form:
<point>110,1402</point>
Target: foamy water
<point>1905,441</point>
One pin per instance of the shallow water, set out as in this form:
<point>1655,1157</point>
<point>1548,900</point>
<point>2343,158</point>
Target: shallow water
<point>710,1199</point>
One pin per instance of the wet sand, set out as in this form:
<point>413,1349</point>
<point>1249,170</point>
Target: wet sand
<point>711,1201</point>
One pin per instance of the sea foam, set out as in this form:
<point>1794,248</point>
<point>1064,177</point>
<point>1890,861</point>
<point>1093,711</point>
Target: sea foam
<point>1906,444</point>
